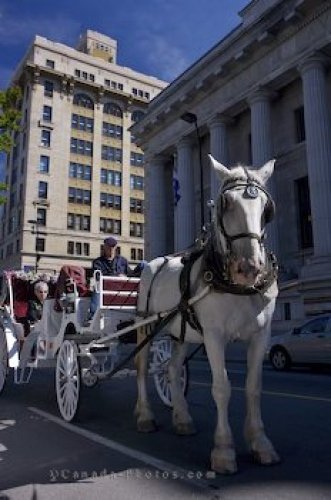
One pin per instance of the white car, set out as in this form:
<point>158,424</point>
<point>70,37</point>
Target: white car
<point>308,344</point>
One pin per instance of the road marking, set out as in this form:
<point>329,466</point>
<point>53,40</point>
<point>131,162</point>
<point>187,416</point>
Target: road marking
<point>272,393</point>
<point>183,474</point>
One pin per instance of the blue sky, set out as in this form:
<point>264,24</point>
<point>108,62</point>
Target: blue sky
<point>157,37</point>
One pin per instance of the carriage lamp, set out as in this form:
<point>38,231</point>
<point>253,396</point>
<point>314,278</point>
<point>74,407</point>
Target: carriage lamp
<point>189,117</point>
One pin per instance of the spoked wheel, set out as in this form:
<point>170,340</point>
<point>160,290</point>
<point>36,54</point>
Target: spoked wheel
<point>3,359</point>
<point>161,356</point>
<point>68,380</point>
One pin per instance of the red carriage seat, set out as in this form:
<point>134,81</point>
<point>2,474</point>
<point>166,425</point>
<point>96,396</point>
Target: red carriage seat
<point>22,293</point>
<point>119,292</point>
<point>69,274</point>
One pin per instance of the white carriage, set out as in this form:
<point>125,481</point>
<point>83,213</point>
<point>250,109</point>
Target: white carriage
<point>82,350</point>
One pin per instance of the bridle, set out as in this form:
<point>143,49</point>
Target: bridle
<point>252,189</point>
<point>216,262</point>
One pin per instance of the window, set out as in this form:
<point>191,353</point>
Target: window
<point>140,254</point>
<point>107,83</point>
<point>136,182</point>
<point>77,73</point>
<point>83,100</point>
<point>48,88</point>
<point>78,222</point>
<point>42,190</point>
<point>44,164</point>
<point>47,113</point>
<point>109,200</point>
<point>111,177</point>
<point>82,123</point>
<point>78,146</point>
<point>79,171</point>
<point>40,244</point>
<point>70,248</point>
<point>86,249</point>
<point>136,206</point>
<point>304,213</point>
<point>41,216</point>
<point>45,138</point>
<point>50,63</point>
<point>133,254</point>
<point>91,77</point>
<point>80,196</point>
<point>78,248</point>
<point>136,159</point>
<point>110,226</point>
<point>113,109</point>
<point>137,116</point>
<point>136,229</point>
<point>315,326</point>
<point>299,118</point>
<point>111,130</point>
<point>111,154</point>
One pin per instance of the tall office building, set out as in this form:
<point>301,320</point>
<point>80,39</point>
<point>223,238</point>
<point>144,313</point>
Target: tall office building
<point>75,174</point>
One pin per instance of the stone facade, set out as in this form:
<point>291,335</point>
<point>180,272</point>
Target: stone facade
<point>84,104</point>
<point>262,92</point>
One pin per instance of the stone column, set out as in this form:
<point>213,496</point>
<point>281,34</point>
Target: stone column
<point>318,144</point>
<point>155,207</point>
<point>262,149</point>
<point>218,149</point>
<point>185,231</point>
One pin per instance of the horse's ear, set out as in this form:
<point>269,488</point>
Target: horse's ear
<point>222,171</point>
<point>266,171</point>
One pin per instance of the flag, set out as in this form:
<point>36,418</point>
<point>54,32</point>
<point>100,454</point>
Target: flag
<point>176,188</point>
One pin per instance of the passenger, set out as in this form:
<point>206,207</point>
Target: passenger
<point>111,264</point>
<point>35,306</point>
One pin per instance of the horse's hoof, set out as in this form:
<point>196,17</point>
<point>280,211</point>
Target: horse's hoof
<point>224,463</point>
<point>223,466</point>
<point>185,429</point>
<point>146,426</point>
<point>269,457</point>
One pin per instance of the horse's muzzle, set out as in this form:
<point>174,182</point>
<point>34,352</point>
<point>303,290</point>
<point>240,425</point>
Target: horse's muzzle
<point>245,271</point>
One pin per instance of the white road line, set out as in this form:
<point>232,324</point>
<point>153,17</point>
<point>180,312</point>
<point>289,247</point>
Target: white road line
<point>185,475</point>
<point>272,393</point>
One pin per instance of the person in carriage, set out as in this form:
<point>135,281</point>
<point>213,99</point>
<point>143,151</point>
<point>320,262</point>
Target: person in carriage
<point>112,264</point>
<point>35,306</point>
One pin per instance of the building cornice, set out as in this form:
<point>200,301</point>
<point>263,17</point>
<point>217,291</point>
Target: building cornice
<point>225,61</point>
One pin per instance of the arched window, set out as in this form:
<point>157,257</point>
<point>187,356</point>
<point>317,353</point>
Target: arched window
<point>113,109</point>
<point>84,101</point>
<point>137,116</point>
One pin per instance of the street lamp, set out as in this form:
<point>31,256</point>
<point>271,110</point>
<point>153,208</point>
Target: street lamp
<point>35,230</point>
<point>192,118</point>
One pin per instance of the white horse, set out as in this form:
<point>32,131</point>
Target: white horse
<point>241,276</point>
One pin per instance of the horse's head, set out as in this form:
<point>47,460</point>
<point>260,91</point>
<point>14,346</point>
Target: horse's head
<point>242,209</point>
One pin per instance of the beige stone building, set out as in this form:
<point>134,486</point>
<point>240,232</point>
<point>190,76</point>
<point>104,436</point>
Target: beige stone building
<point>75,174</point>
<point>262,92</point>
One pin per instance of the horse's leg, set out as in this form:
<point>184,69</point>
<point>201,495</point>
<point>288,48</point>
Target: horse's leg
<point>143,412</point>
<point>255,436</point>
<point>223,457</point>
<point>181,418</point>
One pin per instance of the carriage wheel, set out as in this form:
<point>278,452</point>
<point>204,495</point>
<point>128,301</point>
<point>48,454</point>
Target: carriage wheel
<point>68,380</point>
<point>3,359</point>
<point>161,356</point>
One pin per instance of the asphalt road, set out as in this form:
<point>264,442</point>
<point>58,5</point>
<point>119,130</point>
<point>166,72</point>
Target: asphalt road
<point>102,456</point>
